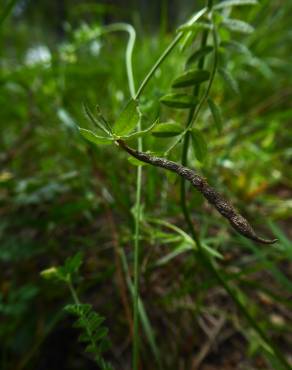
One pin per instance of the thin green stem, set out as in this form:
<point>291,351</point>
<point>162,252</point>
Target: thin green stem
<point>142,312</point>
<point>129,66</point>
<point>211,80</point>
<point>184,158</point>
<point>131,82</point>
<point>125,27</point>
<point>167,51</point>
<point>73,292</point>
<point>194,112</point>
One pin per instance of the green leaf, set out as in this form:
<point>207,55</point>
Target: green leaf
<point>64,273</point>
<point>128,119</point>
<point>101,118</point>
<point>199,144</point>
<point>72,264</point>
<point>212,252</point>
<point>97,122</point>
<point>141,133</point>
<point>179,101</point>
<point>182,248</point>
<point>229,80</point>
<point>93,138</point>
<point>167,129</point>
<point>216,113</point>
<point>229,3</point>
<point>236,25</point>
<point>191,78</point>
<point>93,333</point>
<point>284,243</point>
<point>261,66</point>
<point>237,47</point>
<point>199,54</point>
<point>70,267</point>
<point>148,330</point>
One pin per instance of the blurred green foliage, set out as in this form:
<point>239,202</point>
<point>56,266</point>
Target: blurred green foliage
<point>59,195</point>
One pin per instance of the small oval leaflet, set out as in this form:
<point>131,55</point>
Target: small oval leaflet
<point>97,122</point>
<point>236,25</point>
<point>179,101</point>
<point>229,80</point>
<point>167,129</point>
<point>216,113</point>
<point>199,144</point>
<point>236,47</point>
<point>128,119</point>
<point>93,138</point>
<point>191,77</point>
<point>198,54</point>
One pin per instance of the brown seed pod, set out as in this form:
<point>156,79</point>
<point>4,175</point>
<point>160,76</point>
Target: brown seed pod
<point>236,220</point>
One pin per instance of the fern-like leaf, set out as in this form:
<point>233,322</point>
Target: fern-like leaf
<point>94,335</point>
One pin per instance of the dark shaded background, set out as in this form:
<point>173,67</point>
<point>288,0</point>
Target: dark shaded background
<point>59,195</point>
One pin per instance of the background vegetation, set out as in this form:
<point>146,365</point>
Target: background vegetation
<point>60,195</point>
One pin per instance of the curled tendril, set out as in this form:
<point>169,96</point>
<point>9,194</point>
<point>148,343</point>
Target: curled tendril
<point>226,209</point>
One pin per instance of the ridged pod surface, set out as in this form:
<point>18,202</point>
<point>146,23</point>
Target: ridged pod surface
<point>225,208</point>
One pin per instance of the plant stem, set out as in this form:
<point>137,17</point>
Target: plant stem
<point>116,27</point>
<point>194,112</point>
<point>73,292</point>
<point>131,82</point>
<point>166,52</point>
<point>204,258</point>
